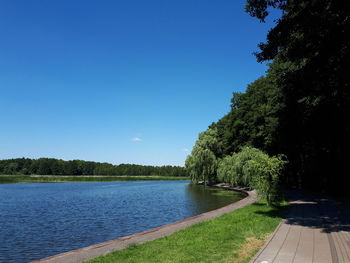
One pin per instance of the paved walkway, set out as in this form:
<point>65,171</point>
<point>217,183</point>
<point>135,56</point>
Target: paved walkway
<point>315,230</point>
<point>83,254</point>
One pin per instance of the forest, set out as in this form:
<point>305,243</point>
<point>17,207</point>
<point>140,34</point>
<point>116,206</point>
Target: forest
<point>51,166</point>
<point>297,113</point>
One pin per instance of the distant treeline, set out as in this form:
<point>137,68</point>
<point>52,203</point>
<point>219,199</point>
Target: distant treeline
<point>50,166</point>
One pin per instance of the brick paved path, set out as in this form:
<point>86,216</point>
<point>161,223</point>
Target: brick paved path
<point>316,230</point>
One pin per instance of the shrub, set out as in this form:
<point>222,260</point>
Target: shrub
<point>255,169</point>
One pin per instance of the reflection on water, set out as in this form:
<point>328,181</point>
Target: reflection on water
<point>40,220</point>
<point>207,198</point>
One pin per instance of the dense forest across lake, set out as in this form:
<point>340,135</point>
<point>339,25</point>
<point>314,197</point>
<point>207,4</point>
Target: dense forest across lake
<point>51,166</point>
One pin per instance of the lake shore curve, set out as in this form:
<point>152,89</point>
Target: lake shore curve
<point>83,254</point>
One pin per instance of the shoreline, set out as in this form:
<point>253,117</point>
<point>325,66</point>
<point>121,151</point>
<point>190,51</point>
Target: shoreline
<point>85,253</point>
<point>17,179</point>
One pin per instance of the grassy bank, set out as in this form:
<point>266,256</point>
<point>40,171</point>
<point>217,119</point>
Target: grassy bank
<point>234,237</point>
<point>8,179</point>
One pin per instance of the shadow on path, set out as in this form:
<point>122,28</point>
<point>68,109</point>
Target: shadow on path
<point>312,210</point>
<point>315,229</point>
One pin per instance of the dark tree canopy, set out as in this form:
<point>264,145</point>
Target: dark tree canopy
<point>301,107</point>
<point>310,45</point>
<point>311,53</point>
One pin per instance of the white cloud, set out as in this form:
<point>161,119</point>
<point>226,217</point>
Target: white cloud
<point>136,139</point>
<point>185,150</point>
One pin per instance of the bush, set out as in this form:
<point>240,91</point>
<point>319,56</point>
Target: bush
<point>255,169</point>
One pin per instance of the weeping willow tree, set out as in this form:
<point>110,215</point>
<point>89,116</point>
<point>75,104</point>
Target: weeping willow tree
<point>231,168</point>
<point>201,164</point>
<point>253,168</point>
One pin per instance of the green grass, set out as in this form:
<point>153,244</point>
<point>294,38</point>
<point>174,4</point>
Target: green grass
<point>234,237</point>
<point>8,179</point>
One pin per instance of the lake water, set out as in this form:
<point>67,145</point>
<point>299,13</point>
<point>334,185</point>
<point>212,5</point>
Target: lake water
<point>40,220</point>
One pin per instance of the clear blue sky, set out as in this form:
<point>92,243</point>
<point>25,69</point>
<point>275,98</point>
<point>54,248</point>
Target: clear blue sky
<point>122,81</point>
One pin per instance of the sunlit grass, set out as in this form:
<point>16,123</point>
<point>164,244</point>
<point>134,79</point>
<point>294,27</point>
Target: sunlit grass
<point>234,237</point>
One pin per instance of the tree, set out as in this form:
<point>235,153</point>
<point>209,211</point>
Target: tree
<point>310,54</point>
<point>255,169</point>
<point>253,119</point>
<point>48,166</point>
<point>11,168</point>
<point>227,172</point>
<point>44,166</point>
<point>264,173</point>
<point>202,162</point>
<point>202,165</point>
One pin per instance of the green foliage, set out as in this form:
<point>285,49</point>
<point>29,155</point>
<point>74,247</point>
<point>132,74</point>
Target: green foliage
<point>311,53</point>
<point>222,240</point>
<point>209,140</point>
<point>50,166</point>
<point>253,118</point>
<point>249,167</point>
<point>301,107</point>
<point>232,167</point>
<point>10,168</point>
<point>253,168</point>
<point>264,173</point>
<point>227,172</point>
<point>201,164</point>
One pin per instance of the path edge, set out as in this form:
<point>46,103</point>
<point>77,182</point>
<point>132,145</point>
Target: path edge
<point>90,252</point>
<point>272,235</point>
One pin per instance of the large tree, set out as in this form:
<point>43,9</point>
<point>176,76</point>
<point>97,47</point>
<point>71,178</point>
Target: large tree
<point>201,164</point>
<point>253,119</point>
<point>311,53</point>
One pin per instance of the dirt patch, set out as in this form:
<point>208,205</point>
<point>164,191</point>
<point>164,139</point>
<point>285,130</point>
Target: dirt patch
<point>247,250</point>
<point>250,246</point>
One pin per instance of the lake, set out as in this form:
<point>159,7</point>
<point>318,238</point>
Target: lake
<point>41,220</point>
